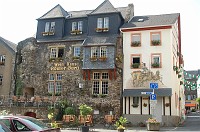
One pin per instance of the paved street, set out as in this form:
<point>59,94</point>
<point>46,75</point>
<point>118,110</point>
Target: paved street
<point>192,123</point>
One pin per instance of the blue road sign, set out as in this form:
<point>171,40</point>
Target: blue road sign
<point>153,85</point>
<point>153,97</point>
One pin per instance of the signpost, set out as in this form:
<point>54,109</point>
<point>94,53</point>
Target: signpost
<point>153,98</point>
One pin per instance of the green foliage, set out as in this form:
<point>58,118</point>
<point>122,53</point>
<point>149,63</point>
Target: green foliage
<point>121,122</point>
<point>70,111</point>
<point>4,112</point>
<point>135,65</point>
<point>85,110</point>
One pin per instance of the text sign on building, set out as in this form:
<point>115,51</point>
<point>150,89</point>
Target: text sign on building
<point>153,85</point>
<point>153,97</point>
<point>147,93</point>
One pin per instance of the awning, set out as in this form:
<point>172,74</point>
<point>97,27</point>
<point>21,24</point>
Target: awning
<point>190,105</point>
<point>137,92</point>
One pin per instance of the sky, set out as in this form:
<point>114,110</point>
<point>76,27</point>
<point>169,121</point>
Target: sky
<point>18,19</point>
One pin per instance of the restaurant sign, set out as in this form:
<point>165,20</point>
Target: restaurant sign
<point>63,67</point>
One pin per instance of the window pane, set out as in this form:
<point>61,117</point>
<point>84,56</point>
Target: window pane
<point>51,87</point>
<point>104,75</point>
<point>95,87</point>
<point>135,100</point>
<point>74,26</point>
<point>103,52</point>
<point>53,53</point>
<point>52,29</point>
<point>58,87</point>
<point>136,59</point>
<point>136,38</point>
<point>104,87</point>
<point>1,79</point>
<point>94,52</point>
<point>156,60</point>
<point>106,22</point>
<point>155,36</point>
<point>100,23</point>
<point>59,77</point>
<point>96,75</point>
<point>80,25</point>
<point>47,27</point>
<point>51,76</point>
<point>77,51</point>
<point>60,52</point>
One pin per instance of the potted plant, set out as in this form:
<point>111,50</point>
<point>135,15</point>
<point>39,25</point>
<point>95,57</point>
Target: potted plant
<point>84,111</point>
<point>153,124</point>
<point>135,65</point>
<point>135,43</point>
<point>155,42</point>
<point>120,124</point>
<point>155,65</point>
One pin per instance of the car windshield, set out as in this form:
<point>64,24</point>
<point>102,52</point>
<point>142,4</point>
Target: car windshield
<point>36,123</point>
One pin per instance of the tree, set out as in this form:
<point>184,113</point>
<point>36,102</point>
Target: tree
<point>198,100</point>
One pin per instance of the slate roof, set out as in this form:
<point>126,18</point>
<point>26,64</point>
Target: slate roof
<point>137,92</point>
<point>99,40</point>
<point>105,7</point>
<point>56,12</point>
<point>151,20</point>
<point>10,45</point>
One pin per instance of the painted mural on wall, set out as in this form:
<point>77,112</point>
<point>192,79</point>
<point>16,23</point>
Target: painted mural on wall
<point>142,78</point>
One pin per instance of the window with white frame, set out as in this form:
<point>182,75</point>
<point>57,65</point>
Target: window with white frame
<point>103,51</point>
<point>77,51</point>
<point>1,79</point>
<point>77,26</point>
<point>94,52</point>
<point>2,59</point>
<point>50,27</point>
<point>80,25</point>
<point>74,26</point>
<point>57,52</point>
<point>55,83</point>
<point>100,83</point>
<point>103,22</point>
<point>156,58</point>
<point>106,22</point>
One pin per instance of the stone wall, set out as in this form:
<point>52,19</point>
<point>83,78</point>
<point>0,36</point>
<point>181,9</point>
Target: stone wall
<point>35,66</point>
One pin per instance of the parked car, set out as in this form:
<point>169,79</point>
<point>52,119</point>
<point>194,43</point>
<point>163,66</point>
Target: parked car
<point>26,123</point>
<point>4,128</point>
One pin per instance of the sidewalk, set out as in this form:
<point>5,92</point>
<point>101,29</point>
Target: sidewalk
<point>131,129</point>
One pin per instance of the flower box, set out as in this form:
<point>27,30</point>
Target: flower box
<point>103,58</point>
<point>135,65</point>
<point>153,126</point>
<point>155,42</point>
<point>93,58</point>
<point>155,65</point>
<point>135,43</point>
<point>76,32</point>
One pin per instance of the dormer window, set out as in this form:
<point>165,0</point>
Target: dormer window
<point>77,28</point>
<point>49,29</point>
<point>102,24</point>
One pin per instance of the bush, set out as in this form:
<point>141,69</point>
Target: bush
<point>70,111</point>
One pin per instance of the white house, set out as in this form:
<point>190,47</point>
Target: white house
<point>152,55</point>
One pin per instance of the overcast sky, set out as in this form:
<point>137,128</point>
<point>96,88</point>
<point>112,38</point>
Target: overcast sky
<point>18,19</point>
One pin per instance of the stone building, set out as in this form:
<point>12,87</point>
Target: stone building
<point>7,65</point>
<point>76,55</point>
